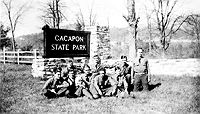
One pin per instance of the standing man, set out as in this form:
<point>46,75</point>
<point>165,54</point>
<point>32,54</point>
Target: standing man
<point>141,70</point>
<point>122,86</point>
<point>126,72</point>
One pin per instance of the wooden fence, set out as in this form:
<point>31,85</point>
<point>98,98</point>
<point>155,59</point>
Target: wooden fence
<point>19,56</point>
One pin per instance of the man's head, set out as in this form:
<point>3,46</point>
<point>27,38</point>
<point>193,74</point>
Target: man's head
<point>139,52</point>
<point>97,59</point>
<point>86,69</point>
<point>102,71</point>
<point>65,73</point>
<point>117,70</point>
<point>71,74</point>
<point>85,61</point>
<point>70,63</point>
<point>124,58</point>
<point>57,72</point>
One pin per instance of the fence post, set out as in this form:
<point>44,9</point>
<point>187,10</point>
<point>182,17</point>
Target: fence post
<point>4,55</point>
<point>35,53</point>
<point>18,56</point>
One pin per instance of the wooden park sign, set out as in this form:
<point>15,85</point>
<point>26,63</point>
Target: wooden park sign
<point>61,43</point>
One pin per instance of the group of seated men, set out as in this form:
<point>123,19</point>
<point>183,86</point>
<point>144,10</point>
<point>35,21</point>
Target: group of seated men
<point>95,82</point>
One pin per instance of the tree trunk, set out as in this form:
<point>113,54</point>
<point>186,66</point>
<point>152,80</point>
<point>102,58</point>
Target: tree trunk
<point>13,41</point>
<point>150,35</point>
<point>12,29</point>
<point>163,53</point>
<point>132,43</point>
<point>131,19</point>
<point>58,16</point>
<point>198,45</point>
<point>163,39</point>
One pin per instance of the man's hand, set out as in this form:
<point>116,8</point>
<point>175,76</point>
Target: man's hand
<point>100,93</point>
<point>149,79</point>
<point>53,90</point>
<point>59,86</point>
<point>43,91</point>
<point>132,81</point>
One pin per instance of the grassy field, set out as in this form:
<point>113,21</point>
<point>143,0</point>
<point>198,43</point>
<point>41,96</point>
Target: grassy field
<point>20,93</point>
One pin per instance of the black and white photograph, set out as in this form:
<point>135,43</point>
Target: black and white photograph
<point>100,56</point>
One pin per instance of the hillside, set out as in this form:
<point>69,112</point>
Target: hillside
<point>116,34</point>
<point>121,34</point>
<point>31,41</point>
<point>180,47</point>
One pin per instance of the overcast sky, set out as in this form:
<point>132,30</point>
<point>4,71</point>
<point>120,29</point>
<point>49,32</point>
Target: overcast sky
<point>108,11</point>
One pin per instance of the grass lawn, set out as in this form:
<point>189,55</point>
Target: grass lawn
<point>20,93</point>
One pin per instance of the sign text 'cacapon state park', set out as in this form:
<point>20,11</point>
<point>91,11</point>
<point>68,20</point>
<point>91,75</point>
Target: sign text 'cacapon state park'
<point>61,43</point>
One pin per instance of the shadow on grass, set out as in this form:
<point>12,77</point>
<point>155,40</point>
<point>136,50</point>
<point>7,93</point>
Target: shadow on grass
<point>150,86</point>
<point>153,86</point>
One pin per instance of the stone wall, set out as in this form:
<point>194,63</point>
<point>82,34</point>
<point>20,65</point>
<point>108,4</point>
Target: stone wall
<point>99,41</point>
<point>43,68</point>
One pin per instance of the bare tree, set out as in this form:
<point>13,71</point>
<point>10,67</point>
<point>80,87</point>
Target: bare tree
<point>4,40</point>
<point>92,16</point>
<point>149,27</point>
<point>53,13</point>
<point>192,27</point>
<point>14,16</point>
<point>81,21</point>
<point>132,20</point>
<point>166,24</point>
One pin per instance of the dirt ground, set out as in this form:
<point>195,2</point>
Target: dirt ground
<point>175,89</point>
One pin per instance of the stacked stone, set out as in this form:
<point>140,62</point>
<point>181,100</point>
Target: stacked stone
<point>49,66</point>
<point>43,68</point>
<point>93,40</point>
<point>38,67</point>
<point>99,41</point>
<point>103,36</point>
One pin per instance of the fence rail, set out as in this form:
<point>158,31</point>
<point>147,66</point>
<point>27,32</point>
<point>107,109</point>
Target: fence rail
<point>19,56</point>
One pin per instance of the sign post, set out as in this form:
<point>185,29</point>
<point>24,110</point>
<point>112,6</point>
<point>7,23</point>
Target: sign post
<point>60,43</point>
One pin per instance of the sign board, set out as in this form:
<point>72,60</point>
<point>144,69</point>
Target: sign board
<point>61,43</point>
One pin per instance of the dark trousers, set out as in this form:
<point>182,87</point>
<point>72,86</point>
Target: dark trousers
<point>63,92</point>
<point>128,80</point>
<point>47,93</point>
<point>140,79</point>
<point>59,93</point>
